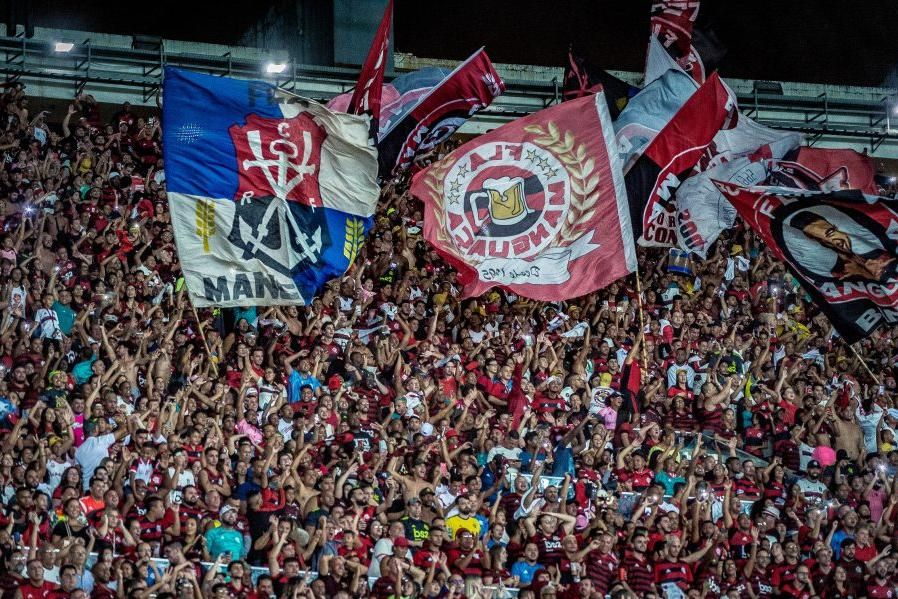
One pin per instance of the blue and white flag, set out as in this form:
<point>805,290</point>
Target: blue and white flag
<point>649,111</point>
<point>270,194</point>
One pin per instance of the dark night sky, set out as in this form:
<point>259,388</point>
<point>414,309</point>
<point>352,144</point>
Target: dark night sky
<point>848,41</point>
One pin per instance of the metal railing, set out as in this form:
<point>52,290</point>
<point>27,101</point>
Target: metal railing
<point>139,71</point>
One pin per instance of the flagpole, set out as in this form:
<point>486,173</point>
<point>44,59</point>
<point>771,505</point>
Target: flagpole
<point>645,360</point>
<point>864,364</point>
<point>858,356</point>
<point>199,325</point>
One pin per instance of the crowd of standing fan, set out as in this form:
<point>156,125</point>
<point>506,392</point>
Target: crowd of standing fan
<point>392,440</point>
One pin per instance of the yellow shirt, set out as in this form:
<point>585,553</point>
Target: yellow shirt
<point>459,522</point>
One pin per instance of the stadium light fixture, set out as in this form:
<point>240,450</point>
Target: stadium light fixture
<point>275,68</point>
<point>63,47</point>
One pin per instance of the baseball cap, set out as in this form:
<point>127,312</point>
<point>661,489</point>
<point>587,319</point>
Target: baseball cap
<point>813,464</point>
<point>227,508</point>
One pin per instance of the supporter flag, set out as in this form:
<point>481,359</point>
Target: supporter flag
<point>537,206</point>
<point>648,112</point>
<point>471,87</point>
<point>670,42</point>
<point>399,96</point>
<point>735,155</point>
<point>270,194</point>
<point>827,169</point>
<point>410,89</point>
<point>582,78</point>
<point>840,244</point>
<point>669,158</point>
<point>367,94</point>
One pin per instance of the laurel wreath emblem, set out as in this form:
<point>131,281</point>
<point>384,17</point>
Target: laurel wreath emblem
<point>583,177</point>
<point>434,181</point>
<point>584,182</point>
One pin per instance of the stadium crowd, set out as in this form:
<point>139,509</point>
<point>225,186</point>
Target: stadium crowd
<point>393,440</point>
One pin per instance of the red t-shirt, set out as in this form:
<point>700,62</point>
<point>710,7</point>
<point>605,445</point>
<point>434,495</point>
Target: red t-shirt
<point>43,591</point>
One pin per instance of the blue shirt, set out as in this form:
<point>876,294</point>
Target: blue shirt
<point>668,482</point>
<point>6,408</point>
<point>525,572</point>
<point>836,543</point>
<point>82,371</point>
<point>249,313</point>
<point>527,459</point>
<point>65,317</point>
<point>296,382</point>
<point>225,540</point>
<point>564,461</point>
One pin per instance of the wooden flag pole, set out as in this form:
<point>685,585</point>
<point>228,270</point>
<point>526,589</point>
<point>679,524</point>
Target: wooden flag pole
<point>864,364</point>
<point>199,326</point>
<point>859,358</point>
<point>645,360</point>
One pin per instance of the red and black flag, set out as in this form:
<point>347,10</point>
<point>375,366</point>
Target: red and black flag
<point>366,97</point>
<point>669,158</point>
<point>582,78</point>
<point>437,112</point>
<point>824,169</point>
<point>671,39</point>
<point>841,246</point>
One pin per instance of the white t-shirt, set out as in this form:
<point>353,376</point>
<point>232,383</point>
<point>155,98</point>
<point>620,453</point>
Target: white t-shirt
<point>52,574</point>
<point>48,323</point>
<point>869,424</point>
<point>509,454</point>
<point>813,491</point>
<point>268,394</point>
<point>17,297</point>
<point>93,451</point>
<point>56,470</point>
<point>285,427</point>
<point>186,478</point>
<point>476,336</point>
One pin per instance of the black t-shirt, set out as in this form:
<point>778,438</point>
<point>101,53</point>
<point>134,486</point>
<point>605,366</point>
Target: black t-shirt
<point>258,525</point>
<point>63,530</point>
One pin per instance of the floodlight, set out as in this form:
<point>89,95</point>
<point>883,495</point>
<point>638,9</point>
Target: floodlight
<point>63,46</point>
<point>275,68</point>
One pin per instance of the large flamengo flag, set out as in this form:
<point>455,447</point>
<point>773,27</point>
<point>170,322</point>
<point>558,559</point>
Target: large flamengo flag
<point>841,245</point>
<point>537,206</point>
<point>436,114</point>
<point>669,158</point>
<point>270,194</point>
<point>367,94</point>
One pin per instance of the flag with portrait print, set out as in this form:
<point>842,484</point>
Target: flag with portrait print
<point>841,245</point>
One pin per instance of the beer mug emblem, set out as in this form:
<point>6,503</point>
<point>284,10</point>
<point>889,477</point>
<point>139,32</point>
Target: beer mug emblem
<point>507,202</point>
